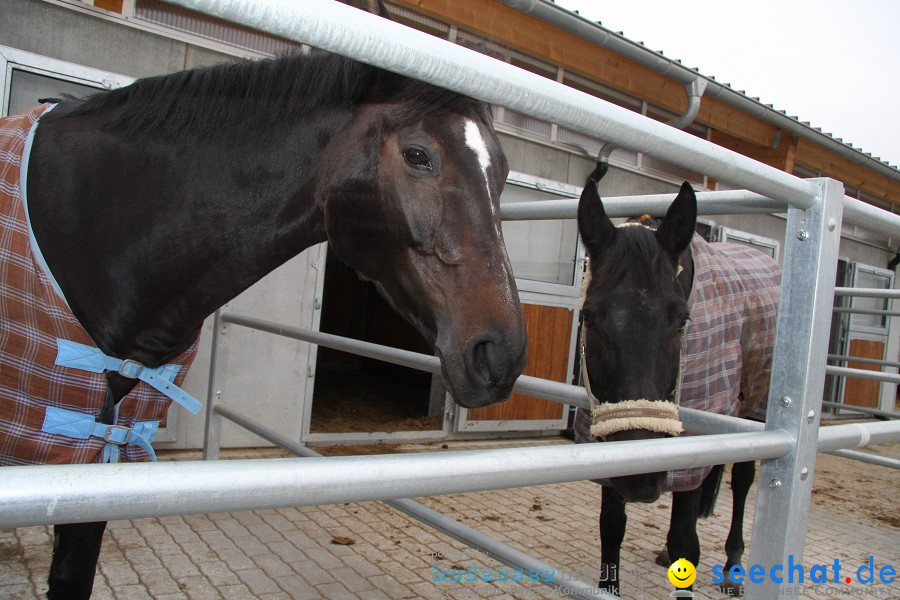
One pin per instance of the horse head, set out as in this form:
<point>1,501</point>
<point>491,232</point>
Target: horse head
<point>418,215</point>
<point>635,311</point>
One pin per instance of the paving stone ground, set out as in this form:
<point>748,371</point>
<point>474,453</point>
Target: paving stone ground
<point>292,553</point>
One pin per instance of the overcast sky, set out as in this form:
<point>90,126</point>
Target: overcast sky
<point>833,63</point>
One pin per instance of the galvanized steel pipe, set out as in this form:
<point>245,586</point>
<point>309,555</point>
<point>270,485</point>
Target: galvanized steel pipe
<point>362,36</point>
<point>857,435</point>
<point>708,203</point>
<point>866,292</point>
<point>865,410</point>
<point>862,374</point>
<point>396,356</point>
<point>867,457</point>
<point>860,359</point>
<point>866,311</point>
<point>542,388</point>
<point>47,494</point>
<point>731,202</point>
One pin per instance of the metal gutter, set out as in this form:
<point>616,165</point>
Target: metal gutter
<point>694,91</point>
<point>591,31</point>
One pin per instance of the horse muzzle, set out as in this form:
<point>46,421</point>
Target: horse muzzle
<point>645,487</point>
<point>490,365</point>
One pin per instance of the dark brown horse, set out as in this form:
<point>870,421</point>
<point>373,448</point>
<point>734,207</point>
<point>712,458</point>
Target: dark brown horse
<point>155,204</point>
<point>669,319</point>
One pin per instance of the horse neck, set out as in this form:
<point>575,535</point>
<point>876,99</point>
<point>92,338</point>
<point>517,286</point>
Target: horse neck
<point>148,244</point>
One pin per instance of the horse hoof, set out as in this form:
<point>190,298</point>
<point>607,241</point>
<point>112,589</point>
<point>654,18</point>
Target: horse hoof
<point>662,559</point>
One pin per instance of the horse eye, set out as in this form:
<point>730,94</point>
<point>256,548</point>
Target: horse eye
<point>418,158</point>
<point>683,325</point>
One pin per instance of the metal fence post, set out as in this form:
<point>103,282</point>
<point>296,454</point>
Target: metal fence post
<point>218,368</point>
<point>798,379</point>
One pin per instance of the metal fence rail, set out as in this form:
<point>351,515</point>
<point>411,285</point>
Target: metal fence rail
<point>708,203</point>
<point>862,359</point>
<point>78,493</point>
<point>884,414</point>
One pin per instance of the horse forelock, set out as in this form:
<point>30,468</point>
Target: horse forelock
<point>636,255</point>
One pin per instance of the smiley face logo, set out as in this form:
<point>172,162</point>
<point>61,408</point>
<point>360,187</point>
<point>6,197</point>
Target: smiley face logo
<point>682,573</point>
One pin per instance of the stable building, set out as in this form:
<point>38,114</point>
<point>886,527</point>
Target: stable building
<point>316,395</point>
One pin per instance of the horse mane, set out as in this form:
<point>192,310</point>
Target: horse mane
<point>213,99</point>
<point>634,252</point>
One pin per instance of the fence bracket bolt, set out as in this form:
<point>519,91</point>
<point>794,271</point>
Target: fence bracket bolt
<point>785,401</point>
<point>802,235</point>
<point>810,416</point>
<point>775,484</point>
<point>804,474</point>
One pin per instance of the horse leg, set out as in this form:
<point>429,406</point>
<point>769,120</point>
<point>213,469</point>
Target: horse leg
<point>612,532</point>
<point>76,548</point>
<point>742,475</point>
<point>682,540</point>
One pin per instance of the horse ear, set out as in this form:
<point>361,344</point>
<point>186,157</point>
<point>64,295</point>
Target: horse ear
<point>675,234</point>
<point>597,231</point>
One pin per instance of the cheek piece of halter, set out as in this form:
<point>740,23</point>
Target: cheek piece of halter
<point>652,415</point>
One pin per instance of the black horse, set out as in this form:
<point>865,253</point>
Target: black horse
<point>155,204</point>
<point>669,319</point>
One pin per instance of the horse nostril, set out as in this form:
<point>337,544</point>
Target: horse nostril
<point>486,361</point>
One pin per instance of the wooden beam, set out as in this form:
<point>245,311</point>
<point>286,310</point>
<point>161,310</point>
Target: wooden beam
<point>728,120</point>
<point>822,160</point>
<point>527,34</point>
<point>781,156</point>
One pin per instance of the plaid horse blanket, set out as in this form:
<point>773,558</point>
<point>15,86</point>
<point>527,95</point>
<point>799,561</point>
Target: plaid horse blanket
<point>728,343</point>
<point>32,318</point>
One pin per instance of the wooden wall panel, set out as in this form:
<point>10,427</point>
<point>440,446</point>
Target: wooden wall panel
<point>864,392</point>
<point>549,334</point>
<point>113,5</point>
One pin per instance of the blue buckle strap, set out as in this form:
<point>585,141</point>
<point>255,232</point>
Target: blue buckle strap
<point>88,358</point>
<point>82,426</point>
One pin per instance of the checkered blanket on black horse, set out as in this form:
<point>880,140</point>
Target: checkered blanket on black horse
<point>32,318</point>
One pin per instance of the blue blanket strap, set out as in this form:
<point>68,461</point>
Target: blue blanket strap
<point>88,358</point>
<point>82,426</point>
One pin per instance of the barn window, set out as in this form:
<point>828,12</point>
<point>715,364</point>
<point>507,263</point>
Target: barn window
<point>26,78</point>
<point>540,250</point>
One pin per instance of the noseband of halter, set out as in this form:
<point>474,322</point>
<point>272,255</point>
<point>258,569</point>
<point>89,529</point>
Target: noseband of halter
<point>652,415</point>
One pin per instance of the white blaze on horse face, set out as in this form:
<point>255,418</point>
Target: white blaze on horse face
<point>475,141</point>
